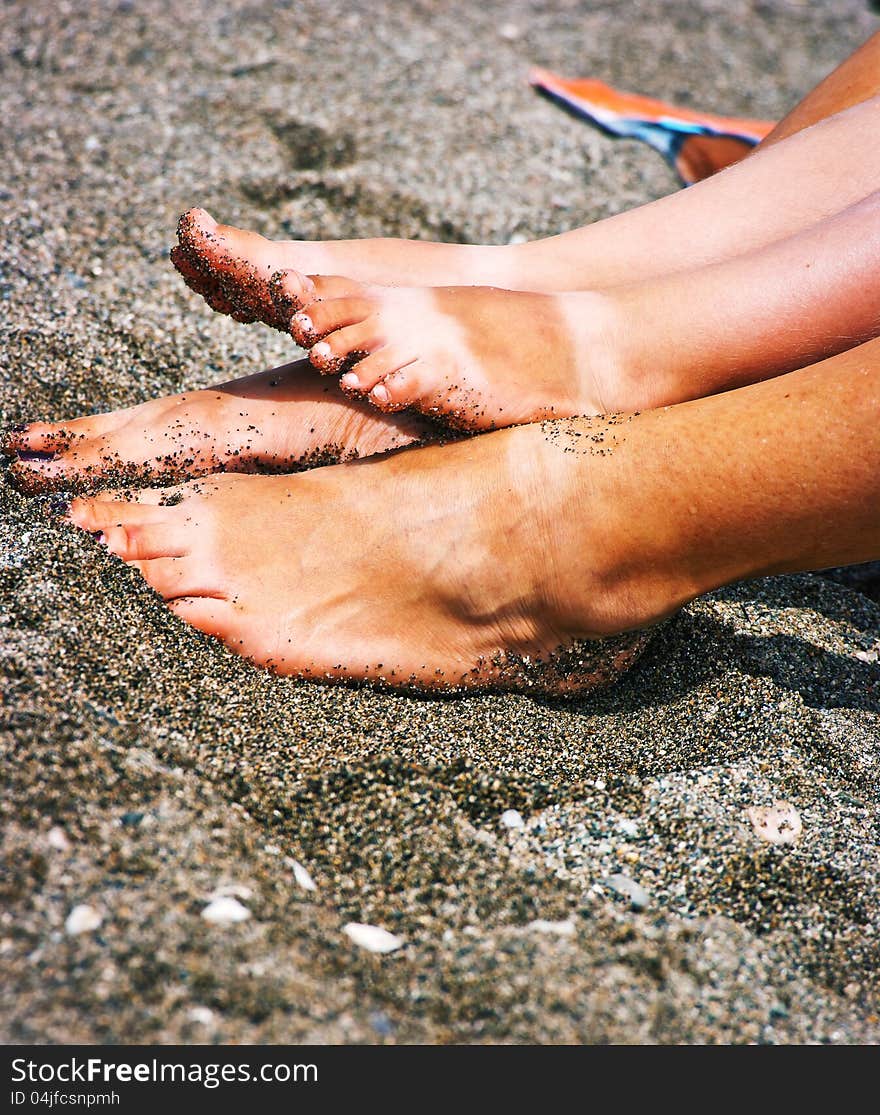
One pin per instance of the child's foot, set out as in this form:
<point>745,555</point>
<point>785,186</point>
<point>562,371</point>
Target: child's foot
<point>440,567</point>
<point>478,357</point>
<point>230,267</point>
<point>280,420</point>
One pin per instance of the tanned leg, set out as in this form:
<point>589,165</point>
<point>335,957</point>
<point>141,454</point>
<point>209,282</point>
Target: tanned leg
<point>281,420</point>
<point>496,560</point>
<point>482,358</point>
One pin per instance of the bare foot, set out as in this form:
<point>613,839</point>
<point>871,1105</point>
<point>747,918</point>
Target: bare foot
<point>281,420</point>
<point>230,267</point>
<point>477,357</point>
<point>443,567</point>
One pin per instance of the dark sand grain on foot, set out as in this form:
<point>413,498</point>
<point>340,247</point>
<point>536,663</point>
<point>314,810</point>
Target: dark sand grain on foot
<point>147,769</point>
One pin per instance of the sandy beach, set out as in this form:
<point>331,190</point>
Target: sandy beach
<point>594,871</point>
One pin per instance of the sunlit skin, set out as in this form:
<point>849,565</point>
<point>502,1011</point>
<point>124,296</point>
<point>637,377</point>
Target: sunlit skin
<point>449,566</point>
<point>280,420</point>
<point>447,351</point>
<point>498,559</point>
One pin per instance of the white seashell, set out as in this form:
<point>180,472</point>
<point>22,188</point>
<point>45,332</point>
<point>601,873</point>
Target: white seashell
<point>231,890</point>
<point>82,919</point>
<point>303,878</point>
<point>57,838</point>
<point>225,911</point>
<point>629,888</point>
<point>512,819</point>
<point>373,938</point>
<point>779,823</point>
<point>559,928</point>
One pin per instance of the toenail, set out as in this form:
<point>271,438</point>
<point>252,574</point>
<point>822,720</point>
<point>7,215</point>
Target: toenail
<point>350,380</point>
<point>303,322</point>
<point>322,350</point>
<point>381,393</point>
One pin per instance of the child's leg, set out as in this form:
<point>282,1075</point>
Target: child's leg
<point>783,187</point>
<point>484,357</point>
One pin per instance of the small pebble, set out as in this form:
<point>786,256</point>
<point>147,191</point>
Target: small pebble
<point>303,878</point>
<point>373,938</point>
<point>225,911</point>
<point>57,838</point>
<point>559,928</point>
<point>82,919</point>
<point>512,819</point>
<point>779,823</point>
<point>629,888</point>
<point>204,1016</point>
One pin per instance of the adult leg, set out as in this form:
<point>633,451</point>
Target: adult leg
<point>281,420</point>
<point>461,565</point>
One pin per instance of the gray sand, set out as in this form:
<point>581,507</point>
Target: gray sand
<point>174,769</point>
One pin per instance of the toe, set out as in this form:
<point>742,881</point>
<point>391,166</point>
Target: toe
<point>205,286</point>
<point>234,264</point>
<point>95,514</point>
<point>144,496</point>
<point>311,325</point>
<point>209,614</point>
<point>197,232</point>
<point>346,346</point>
<point>144,541</point>
<point>172,577</point>
<point>402,388</point>
<point>294,291</point>
<point>47,437</point>
<point>290,292</point>
<point>367,373</point>
<point>192,274</point>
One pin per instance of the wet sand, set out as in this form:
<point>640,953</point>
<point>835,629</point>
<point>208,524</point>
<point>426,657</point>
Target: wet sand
<point>147,769</point>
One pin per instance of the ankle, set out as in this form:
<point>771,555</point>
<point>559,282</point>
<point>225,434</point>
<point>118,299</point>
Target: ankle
<point>616,559</point>
<point>606,380</point>
<point>637,373</point>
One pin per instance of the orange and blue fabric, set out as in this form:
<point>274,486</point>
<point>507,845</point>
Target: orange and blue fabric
<point>695,144</point>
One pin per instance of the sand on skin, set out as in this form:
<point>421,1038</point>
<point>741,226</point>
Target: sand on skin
<point>175,770</point>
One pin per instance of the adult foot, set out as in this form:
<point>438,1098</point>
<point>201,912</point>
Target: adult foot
<point>281,420</point>
<point>477,357</point>
<point>444,567</point>
<point>231,267</point>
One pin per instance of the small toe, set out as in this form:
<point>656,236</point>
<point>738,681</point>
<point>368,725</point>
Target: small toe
<point>172,577</point>
<point>144,541</point>
<point>346,346</point>
<point>399,389</point>
<point>321,318</point>
<point>367,373</point>
<point>210,614</point>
